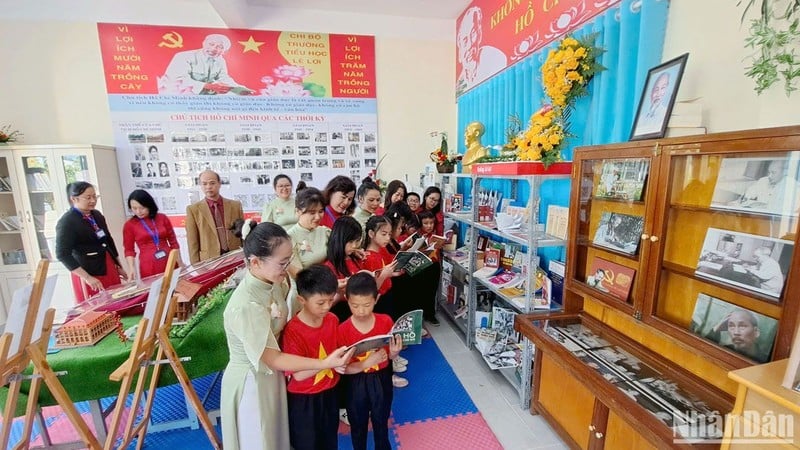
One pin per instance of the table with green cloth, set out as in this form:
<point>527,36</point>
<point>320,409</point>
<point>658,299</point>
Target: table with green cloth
<point>88,368</point>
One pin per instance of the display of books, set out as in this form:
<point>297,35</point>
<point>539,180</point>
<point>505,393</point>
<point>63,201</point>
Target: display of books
<point>623,179</point>
<point>733,327</point>
<point>761,185</point>
<point>612,278</point>
<point>506,357</point>
<point>409,326</point>
<point>757,263</point>
<point>412,262</point>
<point>620,232</point>
<point>454,203</point>
<point>557,221</point>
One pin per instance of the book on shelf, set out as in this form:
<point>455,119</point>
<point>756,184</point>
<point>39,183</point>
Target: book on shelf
<point>459,256</point>
<point>610,277</point>
<point>507,357</point>
<point>435,241</point>
<point>454,203</point>
<point>491,257</point>
<point>409,326</point>
<point>412,262</point>
<point>557,270</point>
<point>557,221</point>
<point>5,184</point>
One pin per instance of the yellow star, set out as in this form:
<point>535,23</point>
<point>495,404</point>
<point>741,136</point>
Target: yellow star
<point>366,355</point>
<point>322,373</point>
<point>251,44</point>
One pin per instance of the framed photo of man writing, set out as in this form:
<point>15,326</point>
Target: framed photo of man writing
<point>658,97</point>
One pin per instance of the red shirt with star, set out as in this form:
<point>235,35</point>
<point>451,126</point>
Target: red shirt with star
<point>375,261</point>
<point>349,335</point>
<point>302,339</point>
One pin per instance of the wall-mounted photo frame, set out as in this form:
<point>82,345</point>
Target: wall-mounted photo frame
<point>658,97</point>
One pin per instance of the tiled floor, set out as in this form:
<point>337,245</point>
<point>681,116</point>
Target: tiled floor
<point>496,399</point>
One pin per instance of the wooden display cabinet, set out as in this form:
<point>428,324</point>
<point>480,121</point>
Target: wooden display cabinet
<point>708,236</point>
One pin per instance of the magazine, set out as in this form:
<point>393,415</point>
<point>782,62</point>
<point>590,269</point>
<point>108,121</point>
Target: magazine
<point>409,326</point>
<point>610,277</point>
<point>620,232</point>
<point>412,262</point>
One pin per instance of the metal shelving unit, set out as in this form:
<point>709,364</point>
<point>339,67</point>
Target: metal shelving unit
<point>531,241</point>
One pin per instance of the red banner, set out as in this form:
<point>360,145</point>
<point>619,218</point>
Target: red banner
<point>145,59</point>
<point>494,34</point>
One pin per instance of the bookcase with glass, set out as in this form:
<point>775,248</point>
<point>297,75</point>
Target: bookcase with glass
<point>33,180</point>
<point>504,265</point>
<point>681,255</point>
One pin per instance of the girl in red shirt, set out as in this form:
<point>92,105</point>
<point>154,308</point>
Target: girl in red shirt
<point>344,258</point>
<point>379,261</point>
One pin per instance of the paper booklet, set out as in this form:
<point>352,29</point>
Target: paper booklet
<point>409,326</point>
<point>412,262</point>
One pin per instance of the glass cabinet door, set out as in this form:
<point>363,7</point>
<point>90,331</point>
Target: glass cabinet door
<point>609,212</point>
<point>42,189</point>
<point>12,237</point>
<point>76,168</point>
<point>729,229</point>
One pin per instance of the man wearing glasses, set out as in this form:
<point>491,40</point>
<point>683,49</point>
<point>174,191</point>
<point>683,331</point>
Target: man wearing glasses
<point>208,222</point>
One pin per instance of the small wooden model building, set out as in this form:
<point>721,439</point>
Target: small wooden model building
<point>186,291</point>
<point>86,329</point>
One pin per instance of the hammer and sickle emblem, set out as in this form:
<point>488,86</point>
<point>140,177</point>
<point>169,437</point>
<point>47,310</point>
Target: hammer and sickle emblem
<point>173,39</point>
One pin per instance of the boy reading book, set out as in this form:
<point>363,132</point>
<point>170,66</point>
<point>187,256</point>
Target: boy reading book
<point>312,399</point>
<point>369,384</point>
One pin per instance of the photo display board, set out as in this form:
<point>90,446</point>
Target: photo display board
<point>248,104</point>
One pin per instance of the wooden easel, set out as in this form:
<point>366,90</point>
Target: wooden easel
<point>152,338</point>
<point>28,351</point>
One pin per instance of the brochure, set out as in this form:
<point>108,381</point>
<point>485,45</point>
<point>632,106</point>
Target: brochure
<point>409,326</point>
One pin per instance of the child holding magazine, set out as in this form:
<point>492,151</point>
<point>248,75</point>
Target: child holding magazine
<point>368,378</point>
<point>313,333</point>
<point>428,283</point>
<point>344,258</point>
<point>377,258</point>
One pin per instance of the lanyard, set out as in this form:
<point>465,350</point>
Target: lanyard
<point>152,232</point>
<point>330,214</point>
<point>89,218</point>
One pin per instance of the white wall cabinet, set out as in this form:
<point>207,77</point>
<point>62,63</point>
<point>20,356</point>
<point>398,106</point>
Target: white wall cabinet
<point>33,180</point>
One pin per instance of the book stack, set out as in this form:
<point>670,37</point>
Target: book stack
<point>686,120</point>
<point>38,181</point>
<point>10,223</point>
<point>5,184</point>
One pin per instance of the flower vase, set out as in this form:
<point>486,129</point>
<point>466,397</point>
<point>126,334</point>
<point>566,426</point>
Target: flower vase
<point>445,168</point>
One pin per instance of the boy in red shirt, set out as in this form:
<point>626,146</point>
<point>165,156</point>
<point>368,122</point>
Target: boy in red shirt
<point>312,397</point>
<point>368,387</point>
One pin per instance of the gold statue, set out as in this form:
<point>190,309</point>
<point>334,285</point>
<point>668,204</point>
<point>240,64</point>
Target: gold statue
<point>475,150</point>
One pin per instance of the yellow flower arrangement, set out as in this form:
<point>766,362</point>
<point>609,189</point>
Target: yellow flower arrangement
<point>568,69</point>
<point>543,138</point>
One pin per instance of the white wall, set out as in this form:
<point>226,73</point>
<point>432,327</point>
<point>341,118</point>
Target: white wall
<point>56,91</point>
<point>710,31</point>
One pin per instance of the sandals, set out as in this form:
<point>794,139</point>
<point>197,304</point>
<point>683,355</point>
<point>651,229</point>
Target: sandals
<point>399,382</point>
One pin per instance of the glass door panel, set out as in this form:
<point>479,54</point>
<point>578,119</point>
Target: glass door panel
<point>42,216</point>
<point>11,230</point>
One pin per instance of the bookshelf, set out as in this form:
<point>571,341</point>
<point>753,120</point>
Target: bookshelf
<point>33,180</point>
<point>483,307</point>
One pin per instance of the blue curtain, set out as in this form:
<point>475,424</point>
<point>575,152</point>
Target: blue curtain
<point>632,35</point>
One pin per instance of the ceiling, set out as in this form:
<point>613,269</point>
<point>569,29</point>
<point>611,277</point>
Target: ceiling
<point>434,9</point>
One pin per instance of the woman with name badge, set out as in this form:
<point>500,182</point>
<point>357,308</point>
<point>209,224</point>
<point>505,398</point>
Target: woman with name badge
<point>85,246</point>
<point>152,234</point>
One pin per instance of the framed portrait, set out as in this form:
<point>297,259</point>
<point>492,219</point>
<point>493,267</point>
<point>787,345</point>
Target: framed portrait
<point>730,326</point>
<point>658,96</point>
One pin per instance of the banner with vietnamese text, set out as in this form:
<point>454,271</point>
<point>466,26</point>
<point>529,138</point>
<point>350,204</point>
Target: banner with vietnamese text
<point>494,34</point>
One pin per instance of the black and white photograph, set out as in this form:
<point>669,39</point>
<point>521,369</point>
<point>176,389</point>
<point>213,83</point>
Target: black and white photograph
<point>370,163</point>
<point>355,164</point>
<point>270,151</point>
<point>730,326</point>
<point>355,150</point>
<point>757,263</point>
<point>262,179</point>
<point>289,150</point>
<point>322,164</point>
<point>759,185</point>
<point>562,339</point>
<point>144,184</point>
<point>168,203</point>
<point>308,177</point>
<point>304,150</point>
<point>180,137</point>
<point>198,137</point>
<point>253,151</point>
<point>136,170</point>
<point>185,182</point>
<point>659,410</point>
<point>139,153</point>
<point>303,136</point>
<point>182,167</point>
<point>370,150</point>
<point>288,164</point>
<point>354,137</point>
<point>321,137</point>
<point>217,137</point>
<point>163,169</point>
<point>337,150</point>
<point>583,336</point>
<point>336,136</point>
<point>258,200</point>
<point>235,152</point>
<point>658,98</point>
<point>155,137</point>
<point>181,153</point>
<point>243,137</point>
<point>246,180</point>
<point>321,150</point>
<point>305,164</point>
<point>162,184</point>
<point>369,137</point>
<point>150,170</point>
<point>592,361</point>
<point>286,135</point>
<point>199,153</point>
<point>216,151</point>
<point>620,232</point>
<point>137,138</point>
<point>625,364</point>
